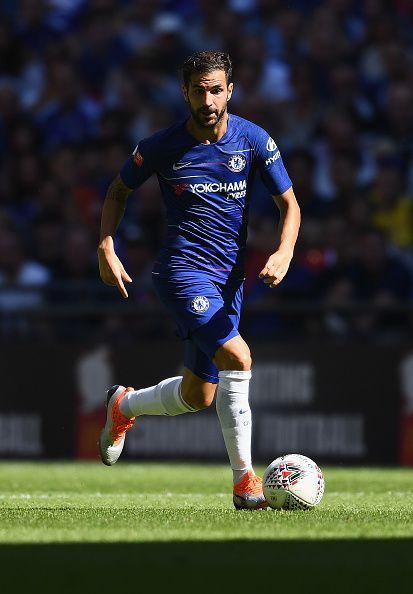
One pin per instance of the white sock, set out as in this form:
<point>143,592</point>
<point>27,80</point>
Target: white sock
<point>234,414</point>
<point>163,399</point>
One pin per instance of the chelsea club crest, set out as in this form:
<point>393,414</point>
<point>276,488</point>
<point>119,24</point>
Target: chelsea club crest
<point>236,163</point>
<point>199,304</point>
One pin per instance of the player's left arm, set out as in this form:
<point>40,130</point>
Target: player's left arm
<point>278,263</point>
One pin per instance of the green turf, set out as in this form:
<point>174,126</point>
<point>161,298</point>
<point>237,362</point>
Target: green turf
<point>167,522</point>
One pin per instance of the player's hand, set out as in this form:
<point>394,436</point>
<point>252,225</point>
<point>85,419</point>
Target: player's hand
<point>112,271</point>
<point>276,268</point>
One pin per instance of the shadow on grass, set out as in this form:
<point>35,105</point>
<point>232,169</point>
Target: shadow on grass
<point>350,566</point>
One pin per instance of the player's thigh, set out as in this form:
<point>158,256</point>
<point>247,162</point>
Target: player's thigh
<point>234,354</point>
<point>197,391</point>
<point>206,314</point>
<point>192,300</point>
<point>233,294</point>
<point>220,333</point>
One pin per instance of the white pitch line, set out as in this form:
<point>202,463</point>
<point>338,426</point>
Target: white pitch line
<point>169,495</point>
<point>102,495</point>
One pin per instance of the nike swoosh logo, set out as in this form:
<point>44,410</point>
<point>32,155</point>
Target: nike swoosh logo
<point>241,412</point>
<point>177,166</point>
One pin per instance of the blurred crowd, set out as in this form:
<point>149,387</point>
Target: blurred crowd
<point>81,82</point>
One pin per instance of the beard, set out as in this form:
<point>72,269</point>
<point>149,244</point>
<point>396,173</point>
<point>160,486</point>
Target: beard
<point>206,119</point>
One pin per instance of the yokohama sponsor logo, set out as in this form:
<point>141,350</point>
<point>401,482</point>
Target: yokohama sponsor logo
<point>272,159</point>
<point>218,187</point>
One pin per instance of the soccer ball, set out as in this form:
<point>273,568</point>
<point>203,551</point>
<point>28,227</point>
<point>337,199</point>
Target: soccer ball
<point>293,482</point>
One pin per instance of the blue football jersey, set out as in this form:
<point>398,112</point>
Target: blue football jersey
<point>206,189</point>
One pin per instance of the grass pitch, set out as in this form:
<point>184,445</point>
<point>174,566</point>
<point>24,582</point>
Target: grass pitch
<point>70,527</point>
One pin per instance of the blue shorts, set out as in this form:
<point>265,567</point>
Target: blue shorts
<point>206,314</point>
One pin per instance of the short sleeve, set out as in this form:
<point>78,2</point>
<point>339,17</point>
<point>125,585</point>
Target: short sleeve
<point>139,166</point>
<point>270,165</point>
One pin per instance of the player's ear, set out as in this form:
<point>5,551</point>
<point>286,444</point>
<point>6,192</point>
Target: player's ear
<point>230,89</point>
<point>185,93</point>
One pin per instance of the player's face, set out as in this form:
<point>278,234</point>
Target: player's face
<point>207,96</point>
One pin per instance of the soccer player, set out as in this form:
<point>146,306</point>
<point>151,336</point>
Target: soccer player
<point>205,166</point>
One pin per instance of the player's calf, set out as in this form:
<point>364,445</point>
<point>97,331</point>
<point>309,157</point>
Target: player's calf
<point>197,392</point>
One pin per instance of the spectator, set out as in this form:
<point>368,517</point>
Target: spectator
<point>65,115</point>
<point>22,280</point>
<point>300,116</point>
<point>392,209</point>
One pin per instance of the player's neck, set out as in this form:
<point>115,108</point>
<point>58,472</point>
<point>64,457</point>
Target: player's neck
<point>207,135</point>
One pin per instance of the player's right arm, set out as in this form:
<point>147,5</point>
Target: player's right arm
<point>276,179</point>
<point>111,268</point>
<point>134,173</point>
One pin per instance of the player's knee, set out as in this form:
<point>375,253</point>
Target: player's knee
<point>242,361</point>
<point>235,357</point>
<point>247,362</point>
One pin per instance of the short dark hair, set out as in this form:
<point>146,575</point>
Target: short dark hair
<point>203,62</point>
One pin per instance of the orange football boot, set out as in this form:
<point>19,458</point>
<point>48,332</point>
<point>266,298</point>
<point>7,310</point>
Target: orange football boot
<point>112,437</point>
<point>248,492</point>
